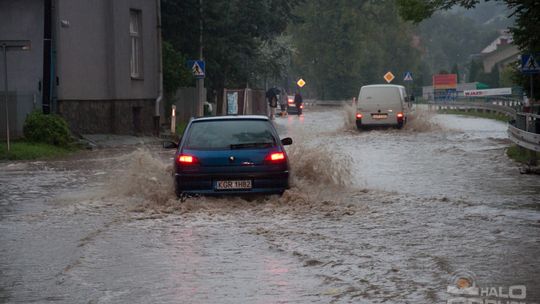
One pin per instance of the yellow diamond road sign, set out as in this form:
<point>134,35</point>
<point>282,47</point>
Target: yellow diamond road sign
<point>389,77</point>
<point>301,82</point>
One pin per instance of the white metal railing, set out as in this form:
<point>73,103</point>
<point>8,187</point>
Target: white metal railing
<point>524,131</point>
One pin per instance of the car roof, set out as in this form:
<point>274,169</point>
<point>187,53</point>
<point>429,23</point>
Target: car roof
<point>383,86</point>
<point>231,117</point>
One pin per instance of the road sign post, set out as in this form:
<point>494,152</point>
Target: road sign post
<point>529,65</point>
<point>198,69</point>
<point>12,45</point>
<point>408,79</point>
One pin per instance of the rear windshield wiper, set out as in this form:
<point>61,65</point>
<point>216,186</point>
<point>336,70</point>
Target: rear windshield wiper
<point>252,145</point>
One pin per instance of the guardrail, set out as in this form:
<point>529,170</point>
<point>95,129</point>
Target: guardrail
<point>502,107</point>
<point>524,131</point>
<point>326,103</point>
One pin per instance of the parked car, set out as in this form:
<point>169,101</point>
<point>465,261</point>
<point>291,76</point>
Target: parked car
<point>291,106</point>
<point>230,155</point>
<point>382,105</point>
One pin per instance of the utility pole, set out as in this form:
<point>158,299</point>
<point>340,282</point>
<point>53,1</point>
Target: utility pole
<point>4,46</point>
<point>200,81</point>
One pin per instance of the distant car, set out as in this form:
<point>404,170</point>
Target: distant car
<point>230,155</point>
<point>291,106</point>
<point>382,105</point>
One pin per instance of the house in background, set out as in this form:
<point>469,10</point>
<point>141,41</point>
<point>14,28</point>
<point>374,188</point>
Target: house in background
<point>501,52</point>
<point>96,63</point>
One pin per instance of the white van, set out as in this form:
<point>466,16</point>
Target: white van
<point>382,105</point>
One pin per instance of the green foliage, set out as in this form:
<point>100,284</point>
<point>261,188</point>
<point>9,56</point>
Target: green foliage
<point>521,155</point>
<point>494,116</point>
<point>235,36</point>
<point>181,127</point>
<point>475,68</point>
<point>26,150</point>
<point>51,129</point>
<point>342,45</point>
<point>175,72</point>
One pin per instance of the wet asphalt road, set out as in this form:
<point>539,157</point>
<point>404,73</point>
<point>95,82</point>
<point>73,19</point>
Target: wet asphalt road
<point>383,216</point>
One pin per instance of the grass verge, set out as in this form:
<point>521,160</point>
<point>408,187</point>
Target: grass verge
<point>22,150</point>
<point>521,155</point>
<point>494,116</point>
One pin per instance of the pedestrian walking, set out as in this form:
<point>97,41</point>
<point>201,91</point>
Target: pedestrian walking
<point>272,96</point>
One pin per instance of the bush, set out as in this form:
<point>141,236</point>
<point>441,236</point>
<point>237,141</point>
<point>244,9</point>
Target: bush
<point>51,129</point>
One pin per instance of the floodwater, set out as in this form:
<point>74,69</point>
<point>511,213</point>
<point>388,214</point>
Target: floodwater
<point>381,216</point>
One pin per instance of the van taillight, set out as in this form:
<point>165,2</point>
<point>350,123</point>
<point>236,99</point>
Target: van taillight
<point>184,159</point>
<point>358,115</point>
<point>399,115</point>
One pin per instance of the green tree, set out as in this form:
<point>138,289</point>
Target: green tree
<point>455,70</point>
<point>342,45</point>
<point>234,32</point>
<point>475,68</point>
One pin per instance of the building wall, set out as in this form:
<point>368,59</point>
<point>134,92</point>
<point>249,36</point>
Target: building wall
<point>93,65</point>
<point>21,20</point>
<point>503,55</point>
<point>108,116</point>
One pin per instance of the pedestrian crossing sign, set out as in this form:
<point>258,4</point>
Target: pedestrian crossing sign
<point>408,77</point>
<point>529,63</point>
<point>197,67</point>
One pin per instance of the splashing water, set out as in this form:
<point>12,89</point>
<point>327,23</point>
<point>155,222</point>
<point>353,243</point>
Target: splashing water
<point>146,178</point>
<point>349,117</point>
<point>421,120</point>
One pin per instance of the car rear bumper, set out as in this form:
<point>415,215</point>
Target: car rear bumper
<point>205,183</point>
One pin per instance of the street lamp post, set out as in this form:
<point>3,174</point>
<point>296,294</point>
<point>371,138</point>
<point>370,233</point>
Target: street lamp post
<point>10,45</point>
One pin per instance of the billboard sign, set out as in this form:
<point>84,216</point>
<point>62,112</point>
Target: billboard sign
<point>488,92</point>
<point>444,81</point>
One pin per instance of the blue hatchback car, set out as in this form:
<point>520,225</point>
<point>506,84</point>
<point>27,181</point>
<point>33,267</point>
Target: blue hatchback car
<point>231,155</point>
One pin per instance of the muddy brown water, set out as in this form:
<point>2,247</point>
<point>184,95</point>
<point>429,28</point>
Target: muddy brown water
<point>383,216</point>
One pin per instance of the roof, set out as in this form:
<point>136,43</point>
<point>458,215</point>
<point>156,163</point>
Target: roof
<point>232,117</point>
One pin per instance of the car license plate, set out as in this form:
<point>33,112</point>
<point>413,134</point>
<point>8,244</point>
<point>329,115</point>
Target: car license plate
<point>379,116</point>
<point>233,184</point>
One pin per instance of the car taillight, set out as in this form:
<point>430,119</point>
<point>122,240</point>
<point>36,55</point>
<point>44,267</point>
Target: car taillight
<point>358,115</point>
<point>399,115</point>
<point>186,160</point>
<point>301,106</point>
<point>275,157</point>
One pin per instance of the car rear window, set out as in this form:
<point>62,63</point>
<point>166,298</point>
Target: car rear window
<point>230,134</point>
<point>379,95</point>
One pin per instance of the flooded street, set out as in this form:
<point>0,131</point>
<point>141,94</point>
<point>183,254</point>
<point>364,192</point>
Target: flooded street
<point>381,216</point>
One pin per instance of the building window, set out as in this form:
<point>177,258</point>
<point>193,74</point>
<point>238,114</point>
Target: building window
<point>136,45</point>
